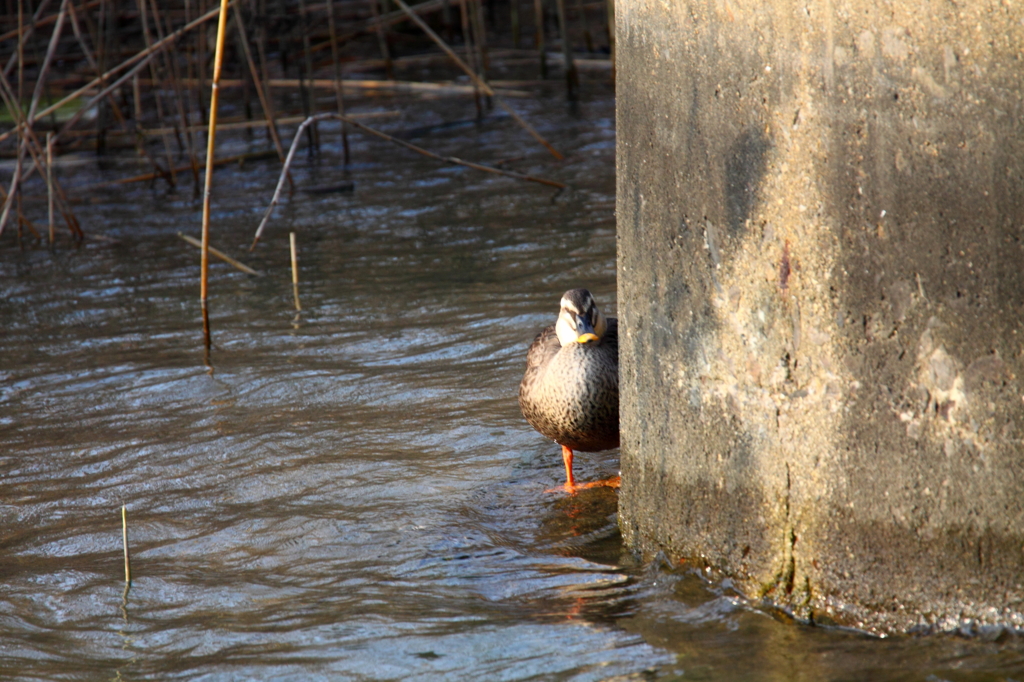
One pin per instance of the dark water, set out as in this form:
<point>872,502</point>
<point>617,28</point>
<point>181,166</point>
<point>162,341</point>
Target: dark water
<point>350,492</point>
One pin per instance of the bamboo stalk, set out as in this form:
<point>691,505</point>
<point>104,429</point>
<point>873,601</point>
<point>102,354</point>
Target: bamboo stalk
<point>483,86</point>
<point>408,145</point>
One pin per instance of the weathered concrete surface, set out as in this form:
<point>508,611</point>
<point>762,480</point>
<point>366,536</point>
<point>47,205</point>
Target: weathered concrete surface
<point>821,224</point>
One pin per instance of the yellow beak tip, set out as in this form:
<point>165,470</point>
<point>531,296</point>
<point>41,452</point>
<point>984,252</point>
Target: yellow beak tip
<point>585,338</point>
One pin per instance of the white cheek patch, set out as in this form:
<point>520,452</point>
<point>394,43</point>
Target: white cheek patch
<point>565,332</point>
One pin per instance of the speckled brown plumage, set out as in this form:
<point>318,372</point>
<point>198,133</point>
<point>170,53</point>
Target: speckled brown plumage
<point>571,393</point>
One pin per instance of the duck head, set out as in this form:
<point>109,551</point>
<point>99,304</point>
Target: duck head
<point>579,320</point>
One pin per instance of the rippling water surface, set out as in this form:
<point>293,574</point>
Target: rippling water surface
<point>349,492</point>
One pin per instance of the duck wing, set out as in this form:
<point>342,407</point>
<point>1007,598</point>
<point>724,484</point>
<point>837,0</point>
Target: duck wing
<point>543,349</point>
<point>611,336</point>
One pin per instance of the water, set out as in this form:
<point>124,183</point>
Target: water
<point>350,492</point>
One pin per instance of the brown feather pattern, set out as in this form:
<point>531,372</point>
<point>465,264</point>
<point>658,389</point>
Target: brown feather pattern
<point>571,393</point>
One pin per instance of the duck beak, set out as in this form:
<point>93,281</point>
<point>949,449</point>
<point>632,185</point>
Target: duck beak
<point>585,332</point>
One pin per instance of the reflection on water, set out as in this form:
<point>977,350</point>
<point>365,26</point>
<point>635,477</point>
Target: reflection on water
<point>350,493</point>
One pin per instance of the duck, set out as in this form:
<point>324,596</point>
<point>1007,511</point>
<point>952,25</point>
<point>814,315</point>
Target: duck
<point>570,390</point>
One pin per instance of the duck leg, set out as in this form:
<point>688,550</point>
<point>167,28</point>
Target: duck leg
<point>570,481</point>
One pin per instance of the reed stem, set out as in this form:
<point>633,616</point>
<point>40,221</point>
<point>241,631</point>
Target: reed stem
<point>124,540</point>
<point>211,136</point>
<point>335,58</point>
<point>572,78</point>
<point>476,79</point>
<point>220,254</point>
<point>542,51</point>
<point>143,56</point>
<point>384,136</point>
<point>49,182</point>
<point>295,270</point>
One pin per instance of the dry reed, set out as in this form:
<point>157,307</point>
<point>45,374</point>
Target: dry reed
<point>384,136</point>
<point>216,253</point>
<point>124,541</point>
<point>162,113</point>
<point>295,270</point>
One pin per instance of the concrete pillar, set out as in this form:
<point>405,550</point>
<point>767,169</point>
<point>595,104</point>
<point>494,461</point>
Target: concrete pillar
<point>821,298</point>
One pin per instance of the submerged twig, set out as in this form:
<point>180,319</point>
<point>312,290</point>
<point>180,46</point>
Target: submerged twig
<point>408,145</point>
